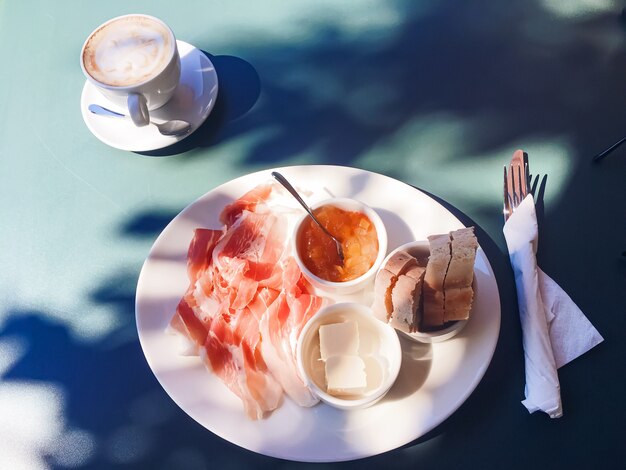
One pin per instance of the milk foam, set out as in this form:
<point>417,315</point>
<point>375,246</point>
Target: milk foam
<point>128,51</point>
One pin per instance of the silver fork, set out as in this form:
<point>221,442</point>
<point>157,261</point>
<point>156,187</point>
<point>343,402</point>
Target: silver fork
<point>517,187</point>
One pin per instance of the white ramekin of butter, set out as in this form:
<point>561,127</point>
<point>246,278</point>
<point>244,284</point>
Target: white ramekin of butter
<point>348,358</point>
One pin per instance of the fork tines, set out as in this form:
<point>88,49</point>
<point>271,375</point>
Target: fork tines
<point>516,183</point>
<point>507,197</point>
<point>526,174</point>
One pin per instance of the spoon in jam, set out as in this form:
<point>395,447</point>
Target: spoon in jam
<point>282,180</point>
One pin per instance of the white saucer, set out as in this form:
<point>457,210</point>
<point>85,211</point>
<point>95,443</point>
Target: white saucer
<point>193,101</point>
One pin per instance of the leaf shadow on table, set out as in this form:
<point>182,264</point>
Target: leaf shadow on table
<point>337,95</point>
<point>148,223</point>
<point>239,87</point>
<point>491,70</point>
<point>492,80</point>
<point>94,403</point>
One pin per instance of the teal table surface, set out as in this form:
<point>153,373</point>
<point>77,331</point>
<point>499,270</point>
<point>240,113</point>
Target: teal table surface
<point>437,94</point>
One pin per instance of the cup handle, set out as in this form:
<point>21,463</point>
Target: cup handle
<point>138,109</point>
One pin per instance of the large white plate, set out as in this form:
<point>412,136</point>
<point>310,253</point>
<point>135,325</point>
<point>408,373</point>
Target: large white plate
<point>435,379</point>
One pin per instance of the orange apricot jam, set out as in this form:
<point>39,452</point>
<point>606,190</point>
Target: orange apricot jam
<point>358,238</point>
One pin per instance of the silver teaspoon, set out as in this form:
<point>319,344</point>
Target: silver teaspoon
<point>173,128</point>
<point>282,180</point>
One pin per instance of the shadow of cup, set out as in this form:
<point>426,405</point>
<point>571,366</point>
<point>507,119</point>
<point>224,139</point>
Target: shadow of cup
<point>239,89</point>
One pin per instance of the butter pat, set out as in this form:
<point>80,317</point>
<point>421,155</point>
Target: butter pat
<point>345,375</point>
<point>339,339</point>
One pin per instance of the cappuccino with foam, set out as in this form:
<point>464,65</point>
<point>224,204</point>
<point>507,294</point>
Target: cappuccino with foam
<point>128,51</point>
<point>134,63</point>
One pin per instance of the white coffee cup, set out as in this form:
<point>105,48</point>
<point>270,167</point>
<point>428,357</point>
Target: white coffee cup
<point>134,62</point>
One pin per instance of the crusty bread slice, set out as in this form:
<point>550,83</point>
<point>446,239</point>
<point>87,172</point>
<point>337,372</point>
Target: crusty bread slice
<point>461,269</point>
<point>386,278</point>
<point>458,303</point>
<point>438,261</point>
<point>434,279</point>
<point>433,308</point>
<point>400,262</point>
<point>411,297</point>
<point>417,273</point>
<point>383,286</point>
<point>458,283</point>
<point>406,297</point>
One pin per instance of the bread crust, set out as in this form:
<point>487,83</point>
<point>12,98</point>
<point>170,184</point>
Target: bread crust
<point>461,269</point>
<point>458,303</point>
<point>433,301</point>
<point>386,278</point>
<point>412,297</point>
<point>406,296</point>
<point>383,286</point>
<point>438,261</point>
<point>400,263</point>
<point>417,273</point>
<point>434,279</point>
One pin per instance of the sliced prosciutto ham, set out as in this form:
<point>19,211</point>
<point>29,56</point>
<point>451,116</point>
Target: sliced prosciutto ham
<point>200,251</point>
<point>248,253</point>
<point>248,201</point>
<point>280,328</point>
<point>188,319</point>
<point>246,304</point>
<point>231,353</point>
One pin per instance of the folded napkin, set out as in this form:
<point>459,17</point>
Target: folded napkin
<point>555,331</point>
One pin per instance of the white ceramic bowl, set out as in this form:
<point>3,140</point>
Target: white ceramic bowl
<point>354,285</point>
<point>420,250</point>
<point>379,348</point>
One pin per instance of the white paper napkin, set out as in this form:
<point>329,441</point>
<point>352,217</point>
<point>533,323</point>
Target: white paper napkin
<point>555,331</point>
